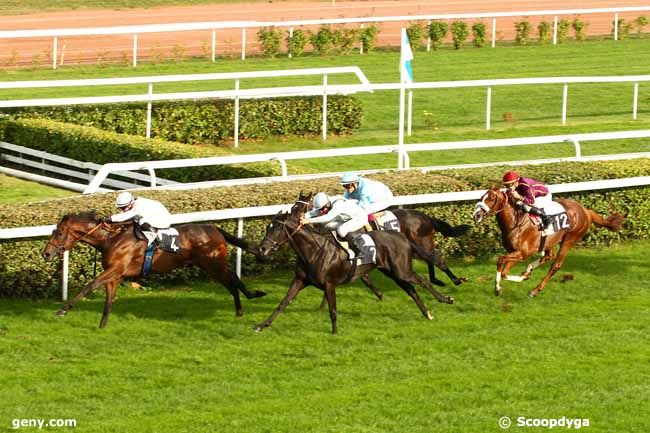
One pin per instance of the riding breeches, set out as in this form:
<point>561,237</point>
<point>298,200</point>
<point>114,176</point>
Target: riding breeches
<point>378,206</point>
<point>351,226</point>
<point>542,201</point>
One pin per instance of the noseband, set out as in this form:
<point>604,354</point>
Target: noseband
<point>61,249</point>
<point>491,211</point>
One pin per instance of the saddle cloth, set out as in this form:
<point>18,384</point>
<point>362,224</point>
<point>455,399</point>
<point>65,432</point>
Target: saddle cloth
<point>387,220</point>
<point>367,253</point>
<point>559,218</point>
<point>167,240</point>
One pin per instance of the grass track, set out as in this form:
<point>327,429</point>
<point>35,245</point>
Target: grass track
<point>177,360</point>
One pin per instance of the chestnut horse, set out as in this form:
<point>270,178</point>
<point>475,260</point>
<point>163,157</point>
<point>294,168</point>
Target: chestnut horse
<point>522,238</point>
<point>203,245</point>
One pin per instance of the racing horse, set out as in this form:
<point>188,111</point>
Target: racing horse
<point>123,254</point>
<point>323,263</point>
<point>521,237</point>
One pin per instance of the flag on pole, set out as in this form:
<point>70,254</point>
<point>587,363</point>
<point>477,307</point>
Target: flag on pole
<point>406,72</point>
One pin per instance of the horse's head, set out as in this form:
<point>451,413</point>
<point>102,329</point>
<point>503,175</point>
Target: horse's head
<point>301,206</point>
<point>276,234</point>
<point>492,202</point>
<point>69,230</point>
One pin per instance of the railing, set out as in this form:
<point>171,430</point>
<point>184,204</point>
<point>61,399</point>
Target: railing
<point>261,211</point>
<point>243,25</point>
<point>235,94</point>
<point>283,157</point>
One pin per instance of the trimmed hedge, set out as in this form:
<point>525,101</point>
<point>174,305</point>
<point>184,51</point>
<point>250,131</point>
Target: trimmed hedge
<point>24,273</point>
<point>212,121</point>
<point>94,145</point>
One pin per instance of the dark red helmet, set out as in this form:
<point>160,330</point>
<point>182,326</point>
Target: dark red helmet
<point>510,177</point>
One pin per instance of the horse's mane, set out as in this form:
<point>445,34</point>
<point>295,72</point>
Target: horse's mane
<point>84,216</point>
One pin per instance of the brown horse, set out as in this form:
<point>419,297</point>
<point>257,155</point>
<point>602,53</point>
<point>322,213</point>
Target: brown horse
<point>203,245</point>
<point>522,238</point>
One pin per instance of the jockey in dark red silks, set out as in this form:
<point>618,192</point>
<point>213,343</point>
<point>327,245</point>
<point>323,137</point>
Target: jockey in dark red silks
<point>531,195</point>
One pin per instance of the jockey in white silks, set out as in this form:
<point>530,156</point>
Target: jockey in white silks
<point>337,213</point>
<point>149,214</point>
<point>373,196</point>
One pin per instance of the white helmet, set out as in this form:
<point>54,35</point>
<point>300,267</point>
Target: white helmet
<point>124,199</point>
<point>320,200</point>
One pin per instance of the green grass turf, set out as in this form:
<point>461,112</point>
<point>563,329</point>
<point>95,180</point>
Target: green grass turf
<point>438,115</point>
<point>14,190</point>
<point>175,359</point>
<point>18,7</point>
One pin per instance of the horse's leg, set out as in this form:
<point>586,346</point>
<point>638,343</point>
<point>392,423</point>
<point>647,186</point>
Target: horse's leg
<point>440,263</point>
<point>504,264</point>
<point>103,278</point>
<point>432,273</point>
<point>546,256</point>
<point>216,267</point>
<point>111,289</point>
<point>567,244</point>
<point>330,294</point>
<point>416,279</point>
<point>296,286</point>
<point>375,290</point>
<point>410,290</point>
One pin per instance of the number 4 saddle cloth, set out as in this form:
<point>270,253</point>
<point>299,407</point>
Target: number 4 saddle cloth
<point>559,218</point>
<point>168,240</point>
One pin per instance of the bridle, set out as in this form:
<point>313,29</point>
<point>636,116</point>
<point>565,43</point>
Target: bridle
<point>489,211</point>
<point>60,249</point>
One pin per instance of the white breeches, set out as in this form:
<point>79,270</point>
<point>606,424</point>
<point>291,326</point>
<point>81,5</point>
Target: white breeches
<point>351,226</point>
<point>542,201</point>
<point>378,206</point>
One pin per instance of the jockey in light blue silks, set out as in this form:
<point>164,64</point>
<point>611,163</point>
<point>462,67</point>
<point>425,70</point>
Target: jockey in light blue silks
<point>373,196</point>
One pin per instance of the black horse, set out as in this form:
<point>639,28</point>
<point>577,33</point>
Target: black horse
<point>324,264</point>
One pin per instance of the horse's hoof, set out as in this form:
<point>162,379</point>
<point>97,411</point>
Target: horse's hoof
<point>239,313</point>
<point>429,316</point>
<point>259,294</point>
<point>497,292</point>
<point>258,328</point>
<point>460,281</point>
<point>61,313</point>
<point>450,300</point>
<point>532,294</point>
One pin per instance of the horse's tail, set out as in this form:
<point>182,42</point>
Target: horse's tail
<point>447,230</point>
<point>238,242</point>
<point>612,222</point>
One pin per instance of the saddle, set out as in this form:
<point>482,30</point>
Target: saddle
<point>166,239</point>
<point>559,219</point>
<point>366,246</point>
<point>386,220</point>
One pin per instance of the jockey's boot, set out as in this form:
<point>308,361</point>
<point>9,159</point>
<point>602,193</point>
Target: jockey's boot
<point>546,220</point>
<point>150,232</point>
<point>355,242</point>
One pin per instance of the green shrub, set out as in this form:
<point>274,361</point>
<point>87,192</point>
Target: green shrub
<point>437,32</point>
<point>322,41</point>
<point>415,32</point>
<point>544,32</point>
<point>296,43</point>
<point>563,27</point>
<point>269,38</point>
<point>479,33</point>
<point>459,33</point>
<point>522,29</point>
<point>344,40</point>
<point>624,28</point>
<point>368,38</point>
<point>640,22</point>
<point>580,29</point>
<point>212,121</point>
<point>24,273</point>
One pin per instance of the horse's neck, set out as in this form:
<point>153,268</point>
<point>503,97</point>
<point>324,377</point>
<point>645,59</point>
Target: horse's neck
<point>96,239</point>
<point>310,245</point>
<point>507,218</point>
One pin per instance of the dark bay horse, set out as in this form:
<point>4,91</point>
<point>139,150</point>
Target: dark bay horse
<point>323,263</point>
<point>203,245</point>
<point>521,237</point>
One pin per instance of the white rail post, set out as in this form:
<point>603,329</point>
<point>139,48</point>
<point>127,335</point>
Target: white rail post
<point>361,40</point>
<point>152,176</point>
<point>150,92</point>
<point>616,26</point>
<point>409,122</point>
<point>243,44</point>
<point>400,134</point>
<point>576,143</point>
<point>428,37</point>
<point>488,108</point>
<point>55,43</point>
<point>635,103</point>
<point>555,30</point>
<point>324,107</point>
<point>494,32</point>
<point>135,50</point>
<point>565,94</point>
<point>64,275</point>
<point>213,54</point>
<point>237,112</point>
<point>290,41</point>
<point>240,233</point>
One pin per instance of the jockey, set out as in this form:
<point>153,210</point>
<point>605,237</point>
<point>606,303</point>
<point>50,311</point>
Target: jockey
<point>373,196</point>
<point>149,214</point>
<point>531,195</point>
<point>340,214</point>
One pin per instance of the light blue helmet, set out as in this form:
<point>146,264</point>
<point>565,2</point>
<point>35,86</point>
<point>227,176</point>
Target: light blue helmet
<point>320,200</point>
<point>348,178</point>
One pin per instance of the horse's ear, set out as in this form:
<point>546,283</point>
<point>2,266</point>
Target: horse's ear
<point>300,196</point>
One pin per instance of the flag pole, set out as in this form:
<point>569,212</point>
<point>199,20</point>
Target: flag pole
<point>402,91</point>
